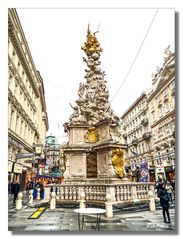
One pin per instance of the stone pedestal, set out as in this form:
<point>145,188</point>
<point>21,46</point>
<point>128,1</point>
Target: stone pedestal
<point>109,209</point>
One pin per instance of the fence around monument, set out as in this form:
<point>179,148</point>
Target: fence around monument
<point>120,194</point>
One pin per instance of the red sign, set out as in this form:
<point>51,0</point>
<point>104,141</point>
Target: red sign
<point>41,165</point>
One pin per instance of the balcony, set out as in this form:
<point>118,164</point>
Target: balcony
<point>146,135</point>
<point>144,121</point>
<point>159,103</point>
<point>135,141</point>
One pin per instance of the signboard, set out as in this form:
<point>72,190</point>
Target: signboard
<point>17,168</point>
<point>25,155</point>
<point>143,169</point>
<point>10,167</point>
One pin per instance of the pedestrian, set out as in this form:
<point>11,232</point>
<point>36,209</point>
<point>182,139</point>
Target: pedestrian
<point>27,186</point>
<point>169,189</point>
<point>164,201</point>
<point>15,190</point>
<point>11,187</point>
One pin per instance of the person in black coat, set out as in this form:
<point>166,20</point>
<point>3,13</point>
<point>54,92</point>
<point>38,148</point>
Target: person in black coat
<point>164,201</point>
<point>15,190</point>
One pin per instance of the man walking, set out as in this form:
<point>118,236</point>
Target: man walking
<point>15,190</point>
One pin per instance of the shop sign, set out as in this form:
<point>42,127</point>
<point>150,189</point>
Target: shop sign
<point>10,167</point>
<point>25,155</point>
<point>17,168</point>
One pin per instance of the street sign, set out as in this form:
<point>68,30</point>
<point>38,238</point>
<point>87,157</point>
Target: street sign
<point>25,155</point>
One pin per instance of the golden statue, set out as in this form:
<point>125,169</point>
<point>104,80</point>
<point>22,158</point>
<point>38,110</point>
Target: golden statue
<point>118,162</point>
<point>91,45</point>
<point>63,161</point>
<point>92,135</point>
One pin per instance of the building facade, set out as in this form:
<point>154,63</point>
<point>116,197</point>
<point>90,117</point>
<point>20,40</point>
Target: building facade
<point>148,126</point>
<point>161,103</point>
<point>28,120</point>
<point>137,134</point>
<point>53,159</point>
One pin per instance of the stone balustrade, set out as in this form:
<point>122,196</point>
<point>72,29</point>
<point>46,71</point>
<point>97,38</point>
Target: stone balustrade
<point>120,193</point>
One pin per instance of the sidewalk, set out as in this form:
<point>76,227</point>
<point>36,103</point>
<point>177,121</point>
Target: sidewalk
<point>64,219</point>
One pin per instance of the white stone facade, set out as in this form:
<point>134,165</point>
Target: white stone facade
<point>28,120</point>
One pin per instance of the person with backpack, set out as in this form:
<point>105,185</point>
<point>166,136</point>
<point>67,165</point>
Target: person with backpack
<point>164,201</point>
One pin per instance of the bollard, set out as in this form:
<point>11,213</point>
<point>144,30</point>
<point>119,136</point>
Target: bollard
<point>108,206</point>
<point>82,200</point>
<point>19,201</point>
<point>53,201</point>
<point>152,206</point>
<point>30,196</point>
<point>38,194</point>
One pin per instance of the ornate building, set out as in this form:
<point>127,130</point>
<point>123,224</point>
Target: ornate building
<point>28,120</point>
<point>162,117</point>
<point>137,134</point>
<point>52,154</point>
<point>148,126</point>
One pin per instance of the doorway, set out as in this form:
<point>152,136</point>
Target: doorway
<point>91,165</point>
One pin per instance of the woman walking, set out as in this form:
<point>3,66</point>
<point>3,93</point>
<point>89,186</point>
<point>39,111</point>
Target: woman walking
<point>164,201</point>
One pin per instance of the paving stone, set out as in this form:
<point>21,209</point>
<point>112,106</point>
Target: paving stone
<point>16,229</point>
<point>66,220</point>
<point>43,228</point>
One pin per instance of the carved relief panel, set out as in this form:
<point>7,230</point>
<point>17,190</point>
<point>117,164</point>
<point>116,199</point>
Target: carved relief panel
<point>104,132</point>
<point>102,164</point>
<point>77,136</point>
<point>78,165</point>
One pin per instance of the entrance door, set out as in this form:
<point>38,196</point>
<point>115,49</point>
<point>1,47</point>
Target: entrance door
<point>91,170</point>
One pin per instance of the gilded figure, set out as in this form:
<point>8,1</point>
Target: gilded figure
<point>118,162</point>
<point>92,135</point>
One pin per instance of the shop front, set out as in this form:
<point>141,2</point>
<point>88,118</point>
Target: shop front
<point>152,175</point>
<point>17,172</point>
<point>160,173</point>
<point>169,172</point>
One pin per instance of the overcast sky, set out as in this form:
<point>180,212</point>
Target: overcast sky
<point>55,37</point>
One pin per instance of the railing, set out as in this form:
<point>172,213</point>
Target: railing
<point>120,193</point>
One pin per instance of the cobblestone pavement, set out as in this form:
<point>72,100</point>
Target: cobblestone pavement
<point>64,219</point>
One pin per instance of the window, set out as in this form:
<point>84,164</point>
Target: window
<point>13,56</point>
<point>173,85</point>
<point>17,124</point>
<point>18,66</point>
<point>139,149</point>
<point>16,89</point>
<point>160,111</point>
<point>11,119</point>
<point>167,106</point>
<point>21,127</point>
<point>25,132</point>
